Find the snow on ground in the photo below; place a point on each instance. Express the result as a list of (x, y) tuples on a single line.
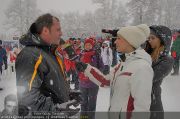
[(8, 83), (170, 93)]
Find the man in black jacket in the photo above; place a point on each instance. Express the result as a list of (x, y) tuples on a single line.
[(40, 76)]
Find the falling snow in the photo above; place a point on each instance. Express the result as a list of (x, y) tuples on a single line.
[(170, 95)]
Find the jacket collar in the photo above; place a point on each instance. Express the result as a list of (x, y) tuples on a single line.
[(138, 54)]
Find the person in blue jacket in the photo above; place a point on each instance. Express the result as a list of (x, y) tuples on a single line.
[(3, 59)]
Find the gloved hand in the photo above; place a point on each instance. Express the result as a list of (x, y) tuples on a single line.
[(23, 110), (80, 66), (70, 52), (75, 95), (65, 109)]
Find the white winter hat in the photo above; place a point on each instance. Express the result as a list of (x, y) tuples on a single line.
[(135, 35), (107, 42)]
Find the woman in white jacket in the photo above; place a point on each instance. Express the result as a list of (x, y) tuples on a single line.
[(130, 81)]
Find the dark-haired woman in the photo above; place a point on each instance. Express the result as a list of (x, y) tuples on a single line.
[(158, 46)]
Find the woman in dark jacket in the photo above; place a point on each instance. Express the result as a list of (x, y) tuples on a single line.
[(158, 46)]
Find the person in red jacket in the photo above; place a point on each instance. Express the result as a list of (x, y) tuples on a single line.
[(89, 89)]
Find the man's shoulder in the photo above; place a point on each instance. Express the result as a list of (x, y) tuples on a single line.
[(139, 65), (31, 49), (28, 52)]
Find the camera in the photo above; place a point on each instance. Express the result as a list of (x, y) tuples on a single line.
[(70, 52), (112, 32)]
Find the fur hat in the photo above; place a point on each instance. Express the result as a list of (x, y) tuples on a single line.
[(164, 34), (135, 35)]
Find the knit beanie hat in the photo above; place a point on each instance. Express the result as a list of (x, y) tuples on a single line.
[(107, 42), (89, 40), (135, 35)]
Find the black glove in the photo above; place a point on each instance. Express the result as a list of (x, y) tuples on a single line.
[(71, 53), (6, 66), (80, 66), (23, 110), (75, 95), (65, 109)]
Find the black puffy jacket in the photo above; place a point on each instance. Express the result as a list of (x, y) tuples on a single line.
[(162, 67), (40, 79)]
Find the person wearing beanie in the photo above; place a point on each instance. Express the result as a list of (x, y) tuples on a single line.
[(89, 89), (106, 54), (10, 106), (158, 46), (70, 55), (175, 52), (130, 81)]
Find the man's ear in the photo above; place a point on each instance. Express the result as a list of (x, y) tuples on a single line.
[(45, 30)]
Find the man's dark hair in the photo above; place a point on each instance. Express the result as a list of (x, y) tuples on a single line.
[(45, 20), (10, 97)]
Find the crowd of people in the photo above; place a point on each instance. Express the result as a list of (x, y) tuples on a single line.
[(47, 67)]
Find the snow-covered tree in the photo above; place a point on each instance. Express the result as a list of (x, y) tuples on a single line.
[(137, 10), (20, 14), (171, 13), (121, 16), (70, 23), (155, 12), (111, 14)]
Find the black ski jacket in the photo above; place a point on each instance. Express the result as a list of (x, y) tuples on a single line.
[(40, 76)]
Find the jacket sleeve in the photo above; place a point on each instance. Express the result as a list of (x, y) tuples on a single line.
[(162, 69), (99, 78), (141, 87), (31, 96)]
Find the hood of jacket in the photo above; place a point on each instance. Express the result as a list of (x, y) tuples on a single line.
[(31, 39)]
